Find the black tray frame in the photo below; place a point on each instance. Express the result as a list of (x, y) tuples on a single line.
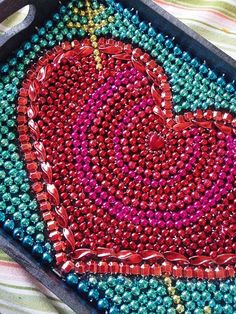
[(161, 20)]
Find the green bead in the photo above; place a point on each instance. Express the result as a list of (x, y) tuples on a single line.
[(218, 296), (134, 305), (92, 281), (109, 293), (143, 299), (135, 291), (14, 189), (24, 223), (30, 230), (151, 294), (34, 218), (143, 284), (117, 299), (10, 210), (2, 217), (40, 237), (167, 302), (127, 297), (161, 310), (17, 216), (190, 305), (161, 291), (124, 309), (185, 296), (102, 285), (143, 310), (111, 281), (15, 200), (119, 289)]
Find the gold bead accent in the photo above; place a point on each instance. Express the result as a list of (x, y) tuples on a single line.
[(99, 66), (96, 52), (93, 38), (111, 19), (180, 308), (75, 10), (207, 310), (168, 281), (176, 299), (171, 291), (70, 25), (94, 44)]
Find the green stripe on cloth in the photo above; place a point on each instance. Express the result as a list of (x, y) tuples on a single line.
[(225, 7)]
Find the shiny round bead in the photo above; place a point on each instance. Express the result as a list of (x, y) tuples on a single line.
[(72, 280)]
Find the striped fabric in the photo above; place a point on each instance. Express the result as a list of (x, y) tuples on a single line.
[(213, 19)]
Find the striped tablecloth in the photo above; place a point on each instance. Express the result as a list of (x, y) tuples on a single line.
[(213, 19)]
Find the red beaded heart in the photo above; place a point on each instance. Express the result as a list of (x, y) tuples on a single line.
[(121, 181)]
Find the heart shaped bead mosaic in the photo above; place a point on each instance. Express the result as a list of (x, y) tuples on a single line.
[(118, 163)]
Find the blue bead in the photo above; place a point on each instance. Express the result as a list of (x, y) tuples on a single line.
[(72, 280), (127, 13), (93, 294), (143, 26), (18, 234), (169, 43), (177, 51), (221, 81), (151, 32), (2, 217), (47, 258), (83, 287), (194, 63), (203, 68), (230, 88), (28, 241), (186, 56), (9, 225), (211, 75), (103, 304), (160, 37), (119, 7), (37, 250), (135, 19)]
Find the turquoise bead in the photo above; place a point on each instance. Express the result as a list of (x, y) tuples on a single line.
[(93, 294), (47, 258), (72, 280), (83, 287), (103, 304), (114, 310)]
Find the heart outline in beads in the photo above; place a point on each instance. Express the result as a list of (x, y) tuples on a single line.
[(69, 255)]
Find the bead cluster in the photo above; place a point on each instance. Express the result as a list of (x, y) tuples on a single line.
[(119, 294), (129, 153), (132, 169)]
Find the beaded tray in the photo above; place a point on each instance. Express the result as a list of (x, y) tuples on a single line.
[(118, 164)]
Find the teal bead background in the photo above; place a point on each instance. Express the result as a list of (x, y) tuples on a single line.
[(194, 86)]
